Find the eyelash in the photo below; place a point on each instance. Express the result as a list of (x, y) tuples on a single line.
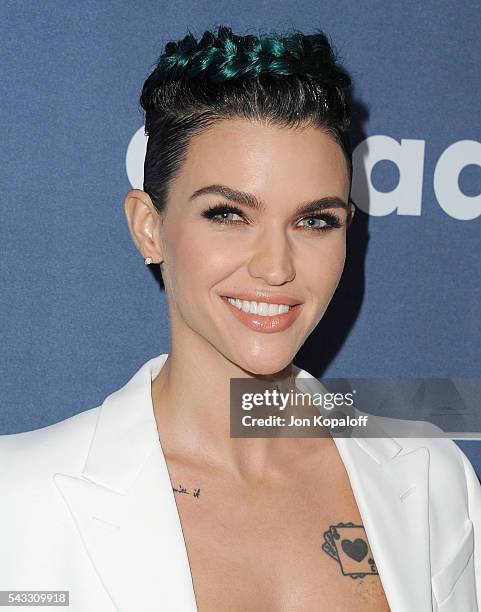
[(210, 213)]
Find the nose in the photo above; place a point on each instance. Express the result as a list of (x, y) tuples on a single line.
[(272, 260)]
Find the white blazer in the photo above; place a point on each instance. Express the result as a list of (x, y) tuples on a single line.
[(87, 506)]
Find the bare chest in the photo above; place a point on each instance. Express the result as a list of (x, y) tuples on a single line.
[(295, 545)]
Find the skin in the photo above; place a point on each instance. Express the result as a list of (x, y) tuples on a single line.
[(200, 260), (226, 488)]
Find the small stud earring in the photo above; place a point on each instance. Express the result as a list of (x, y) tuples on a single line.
[(147, 261)]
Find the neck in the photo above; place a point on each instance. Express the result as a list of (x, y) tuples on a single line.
[(191, 400)]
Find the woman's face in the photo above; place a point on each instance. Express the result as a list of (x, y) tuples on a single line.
[(271, 250)]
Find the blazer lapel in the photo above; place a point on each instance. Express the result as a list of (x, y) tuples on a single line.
[(124, 507), (126, 514), (392, 497), (391, 490)]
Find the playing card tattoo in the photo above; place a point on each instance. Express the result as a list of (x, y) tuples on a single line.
[(348, 545)]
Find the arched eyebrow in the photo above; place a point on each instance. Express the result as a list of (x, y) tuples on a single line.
[(250, 200)]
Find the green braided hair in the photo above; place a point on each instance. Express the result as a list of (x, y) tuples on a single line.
[(288, 80)]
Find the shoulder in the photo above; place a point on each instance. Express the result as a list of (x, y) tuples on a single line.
[(33, 455), (36, 528), (451, 475), (413, 434)]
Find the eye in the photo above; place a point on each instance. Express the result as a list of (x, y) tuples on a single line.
[(220, 213), (327, 221)]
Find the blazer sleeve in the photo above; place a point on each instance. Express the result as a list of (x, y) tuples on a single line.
[(474, 510)]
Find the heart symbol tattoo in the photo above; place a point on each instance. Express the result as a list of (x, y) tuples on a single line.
[(356, 549)]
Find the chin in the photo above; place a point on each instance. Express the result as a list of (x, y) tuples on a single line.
[(267, 363)]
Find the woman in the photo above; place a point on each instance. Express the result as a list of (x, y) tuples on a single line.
[(146, 502)]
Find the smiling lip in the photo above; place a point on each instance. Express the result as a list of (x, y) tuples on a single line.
[(264, 296), (266, 325)]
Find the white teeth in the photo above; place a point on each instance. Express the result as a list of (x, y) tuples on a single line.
[(263, 309), (260, 308), (273, 309)]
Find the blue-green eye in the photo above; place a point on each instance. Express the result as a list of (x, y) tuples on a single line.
[(317, 227), (327, 221), (221, 210)]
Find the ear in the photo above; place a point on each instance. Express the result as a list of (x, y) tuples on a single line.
[(143, 220), (350, 214)]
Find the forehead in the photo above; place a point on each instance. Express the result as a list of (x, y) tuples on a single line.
[(271, 161)]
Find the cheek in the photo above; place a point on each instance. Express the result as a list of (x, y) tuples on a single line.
[(324, 275), (197, 261)]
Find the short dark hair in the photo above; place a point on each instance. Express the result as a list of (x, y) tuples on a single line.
[(288, 80)]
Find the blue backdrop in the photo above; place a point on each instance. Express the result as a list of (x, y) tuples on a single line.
[(79, 310)]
